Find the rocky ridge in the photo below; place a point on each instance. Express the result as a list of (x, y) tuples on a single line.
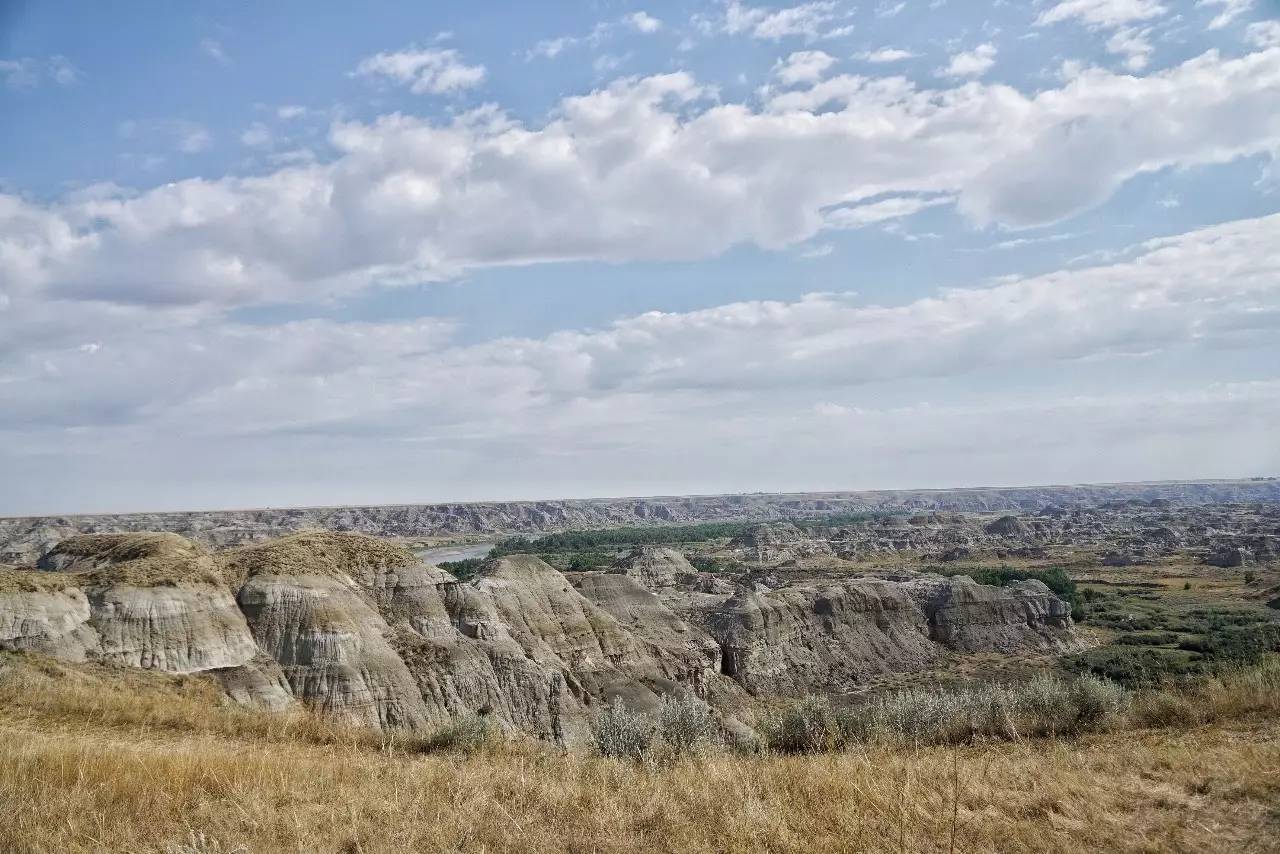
[(23, 539), (1121, 533), (361, 630)]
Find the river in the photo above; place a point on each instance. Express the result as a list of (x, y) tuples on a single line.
[(443, 554)]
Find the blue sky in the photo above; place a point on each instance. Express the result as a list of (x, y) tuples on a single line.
[(302, 253)]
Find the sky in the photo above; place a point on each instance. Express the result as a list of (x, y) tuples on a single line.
[(318, 254)]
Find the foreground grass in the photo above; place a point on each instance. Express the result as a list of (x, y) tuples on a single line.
[(93, 770)]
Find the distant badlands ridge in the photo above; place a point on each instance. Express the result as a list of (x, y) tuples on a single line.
[(23, 539)]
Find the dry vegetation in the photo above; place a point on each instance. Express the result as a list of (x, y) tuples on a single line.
[(317, 553), (105, 760)]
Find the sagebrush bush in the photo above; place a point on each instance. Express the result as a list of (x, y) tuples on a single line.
[(809, 726), (1044, 705), (466, 733), (620, 732), (1096, 701), (1162, 709), (685, 723)]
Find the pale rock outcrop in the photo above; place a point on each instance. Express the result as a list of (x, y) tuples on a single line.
[(332, 648), (655, 567), (777, 543), (153, 601), (362, 631), (680, 652), (49, 621), (800, 640), (259, 684), (969, 617), (179, 629)]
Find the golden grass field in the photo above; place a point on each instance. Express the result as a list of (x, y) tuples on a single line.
[(99, 760)]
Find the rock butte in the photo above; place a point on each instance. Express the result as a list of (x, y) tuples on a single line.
[(360, 629), (25, 539)]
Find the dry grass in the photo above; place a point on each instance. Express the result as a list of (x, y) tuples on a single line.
[(1199, 791), (144, 767), (317, 553), (146, 558)]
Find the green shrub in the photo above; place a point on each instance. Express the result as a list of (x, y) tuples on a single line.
[(1162, 709), (1135, 665), (621, 733), (463, 570), (466, 733), (1148, 639), (685, 723), (809, 726), (1044, 705)]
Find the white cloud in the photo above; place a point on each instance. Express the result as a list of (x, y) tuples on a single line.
[(1102, 13), (1217, 286), (643, 22), (971, 63), (882, 211), (886, 55), (820, 250), (193, 138), (607, 63), (811, 370), (428, 71), (257, 135), (805, 66), (807, 20), (213, 49), (888, 9), (1231, 9), (1264, 34), (1133, 44), (29, 72), (643, 169), (288, 112), (551, 48)]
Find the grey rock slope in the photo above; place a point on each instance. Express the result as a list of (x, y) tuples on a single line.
[(360, 630), (23, 539)]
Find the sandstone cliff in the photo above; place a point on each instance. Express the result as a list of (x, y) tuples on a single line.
[(359, 629)]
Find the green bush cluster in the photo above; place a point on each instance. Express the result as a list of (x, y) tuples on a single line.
[(1045, 705), (619, 538), (682, 725), (463, 570), (466, 733)]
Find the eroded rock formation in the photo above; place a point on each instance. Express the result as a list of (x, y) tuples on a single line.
[(361, 630), (24, 539)]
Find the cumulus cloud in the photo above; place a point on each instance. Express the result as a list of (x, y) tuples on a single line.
[(807, 20), (972, 63), (1133, 44), (643, 169), (257, 135), (29, 72), (1101, 13), (886, 55), (1218, 286), (1264, 34), (430, 71), (807, 370), (642, 22), (1231, 9), (805, 66)]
